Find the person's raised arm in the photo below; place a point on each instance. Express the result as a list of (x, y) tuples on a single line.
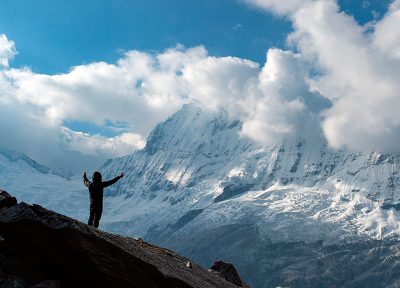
[(112, 181), (85, 180)]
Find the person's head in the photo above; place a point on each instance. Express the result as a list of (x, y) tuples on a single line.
[(96, 176)]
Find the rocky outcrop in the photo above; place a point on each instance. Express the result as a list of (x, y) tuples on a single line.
[(6, 200), (228, 272), (41, 248)]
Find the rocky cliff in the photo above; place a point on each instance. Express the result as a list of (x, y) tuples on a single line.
[(40, 248)]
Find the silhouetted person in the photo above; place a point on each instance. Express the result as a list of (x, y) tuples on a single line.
[(96, 187)]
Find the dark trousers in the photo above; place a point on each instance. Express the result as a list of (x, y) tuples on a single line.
[(95, 214)]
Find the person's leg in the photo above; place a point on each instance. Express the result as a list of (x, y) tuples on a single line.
[(91, 215), (97, 216)]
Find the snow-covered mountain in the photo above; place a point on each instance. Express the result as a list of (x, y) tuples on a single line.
[(33, 182), (197, 174), (18, 157), (298, 215)]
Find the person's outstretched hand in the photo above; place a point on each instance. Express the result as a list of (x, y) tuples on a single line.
[(122, 174)]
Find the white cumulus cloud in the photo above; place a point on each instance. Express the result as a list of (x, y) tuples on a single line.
[(274, 102), (140, 90), (7, 50), (98, 145), (358, 68), (282, 106)]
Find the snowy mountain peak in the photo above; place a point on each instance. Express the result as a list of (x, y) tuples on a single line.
[(190, 127), (15, 156), (198, 168)]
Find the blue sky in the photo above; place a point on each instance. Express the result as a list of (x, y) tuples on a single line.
[(51, 36), (88, 80)]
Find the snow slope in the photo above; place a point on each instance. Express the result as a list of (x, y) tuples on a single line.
[(32, 182), (196, 173)]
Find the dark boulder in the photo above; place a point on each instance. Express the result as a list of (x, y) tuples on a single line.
[(6, 200), (228, 272)]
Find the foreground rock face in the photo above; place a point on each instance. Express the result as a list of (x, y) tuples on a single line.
[(40, 248)]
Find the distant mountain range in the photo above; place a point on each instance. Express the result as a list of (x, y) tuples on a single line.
[(33, 182), (15, 156)]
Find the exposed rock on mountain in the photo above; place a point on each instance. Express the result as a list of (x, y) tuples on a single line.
[(6, 200), (41, 248)]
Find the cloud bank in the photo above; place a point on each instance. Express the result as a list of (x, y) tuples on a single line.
[(338, 80), (358, 67), (143, 89)]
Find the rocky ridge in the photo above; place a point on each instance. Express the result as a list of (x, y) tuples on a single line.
[(40, 248)]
